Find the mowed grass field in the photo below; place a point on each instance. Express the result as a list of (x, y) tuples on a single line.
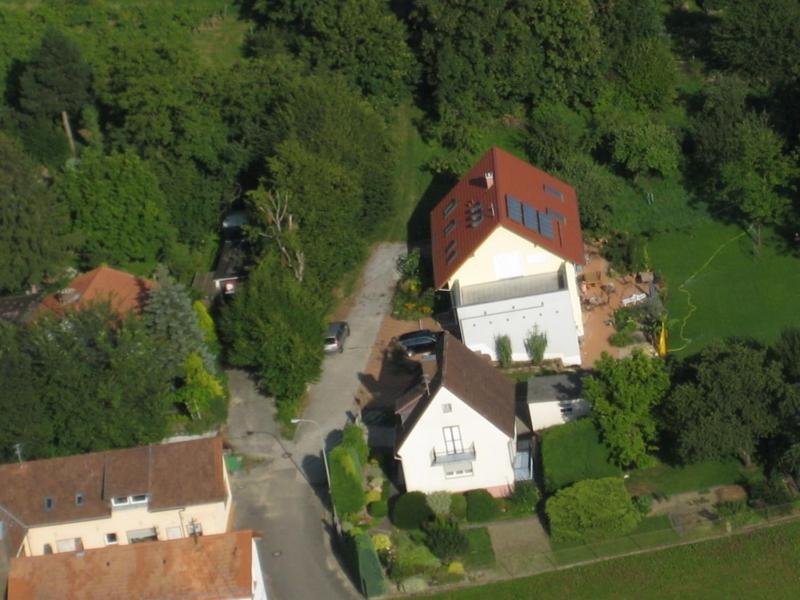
[(736, 293), (761, 564)]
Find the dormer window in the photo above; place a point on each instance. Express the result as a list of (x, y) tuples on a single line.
[(450, 206), (48, 503), (133, 500), (139, 499), (119, 501), (79, 499)]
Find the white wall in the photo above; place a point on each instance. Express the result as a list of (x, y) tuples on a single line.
[(493, 464), (548, 414), (502, 255), (259, 589), (572, 285), (212, 517), (553, 313)]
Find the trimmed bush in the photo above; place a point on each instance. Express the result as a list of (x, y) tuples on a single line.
[(410, 559), (378, 509), (411, 510), (439, 503), (353, 437), (592, 510), (347, 488), (525, 496), (536, 344), (481, 506), (369, 567), (445, 539), (503, 349), (458, 506)]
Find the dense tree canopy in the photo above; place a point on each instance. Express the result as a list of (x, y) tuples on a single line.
[(623, 394), (726, 403), (33, 223)]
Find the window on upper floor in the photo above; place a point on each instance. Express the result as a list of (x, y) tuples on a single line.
[(450, 206), (447, 408), (79, 499), (452, 439), (111, 539)]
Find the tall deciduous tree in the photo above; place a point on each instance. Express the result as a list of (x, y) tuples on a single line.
[(756, 178), (644, 146), (727, 403), (118, 208), (623, 394), (275, 326), (34, 225)]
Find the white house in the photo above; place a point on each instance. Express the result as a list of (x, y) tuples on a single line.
[(457, 429), (555, 400), (212, 567), (506, 241)]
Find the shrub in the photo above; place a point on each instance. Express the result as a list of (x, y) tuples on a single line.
[(411, 510), (353, 437), (643, 504), (536, 344), (591, 510), (624, 336), (525, 496), (771, 491), (439, 503), (730, 509), (386, 490), (456, 568), (411, 559), (458, 506), (382, 542), (481, 506), (347, 488), (369, 566), (445, 539), (378, 509), (373, 495), (503, 349)]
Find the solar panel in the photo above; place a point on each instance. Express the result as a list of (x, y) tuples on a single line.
[(546, 226), (553, 192), (514, 207), (531, 218), (554, 214)]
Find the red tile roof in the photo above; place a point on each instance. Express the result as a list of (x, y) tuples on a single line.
[(208, 567), (124, 291), (457, 234), (176, 474)]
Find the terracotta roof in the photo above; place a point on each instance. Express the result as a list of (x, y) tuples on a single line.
[(479, 209), (125, 292), (207, 567), (473, 380), (176, 474)]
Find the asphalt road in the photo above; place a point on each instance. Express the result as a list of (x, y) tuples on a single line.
[(283, 494)]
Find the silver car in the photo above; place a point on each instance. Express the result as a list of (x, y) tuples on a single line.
[(336, 335)]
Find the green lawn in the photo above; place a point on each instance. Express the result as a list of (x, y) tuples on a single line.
[(761, 564), (665, 480), (573, 452), (480, 554), (735, 292)]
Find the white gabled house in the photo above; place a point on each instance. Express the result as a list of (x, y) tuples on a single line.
[(506, 242), (457, 429)]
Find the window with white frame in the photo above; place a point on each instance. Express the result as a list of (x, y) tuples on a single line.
[(452, 439), (111, 539), (134, 500), (458, 470), (194, 528)]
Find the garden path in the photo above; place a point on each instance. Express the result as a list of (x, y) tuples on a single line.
[(520, 547)]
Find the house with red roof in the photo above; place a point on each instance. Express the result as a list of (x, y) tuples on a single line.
[(506, 242), (123, 291)]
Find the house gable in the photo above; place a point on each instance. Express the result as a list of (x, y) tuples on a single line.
[(501, 189), (502, 255)]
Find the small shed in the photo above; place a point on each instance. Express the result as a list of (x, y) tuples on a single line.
[(556, 399)]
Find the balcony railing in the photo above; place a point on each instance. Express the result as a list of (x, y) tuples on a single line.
[(443, 457)]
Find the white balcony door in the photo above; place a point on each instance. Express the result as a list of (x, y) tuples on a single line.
[(452, 440)]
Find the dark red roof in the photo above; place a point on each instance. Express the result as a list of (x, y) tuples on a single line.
[(479, 209)]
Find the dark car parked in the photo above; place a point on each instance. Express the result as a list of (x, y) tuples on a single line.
[(336, 335), (422, 341)]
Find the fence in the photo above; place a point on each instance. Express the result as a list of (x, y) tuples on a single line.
[(520, 560)]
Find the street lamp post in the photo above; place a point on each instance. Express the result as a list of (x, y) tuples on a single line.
[(324, 462)]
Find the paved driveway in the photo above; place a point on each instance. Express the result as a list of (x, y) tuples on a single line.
[(283, 494)]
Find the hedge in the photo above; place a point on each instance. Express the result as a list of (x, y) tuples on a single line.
[(368, 566), (458, 506), (347, 488)]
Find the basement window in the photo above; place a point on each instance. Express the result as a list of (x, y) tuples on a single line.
[(111, 539)]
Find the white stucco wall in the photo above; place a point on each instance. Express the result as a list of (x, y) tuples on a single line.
[(553, 313), (212, 517), (493, 464), (259, 588), (548, 414), (502, 255)]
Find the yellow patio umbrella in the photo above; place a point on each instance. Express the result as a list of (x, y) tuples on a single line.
[(662, 340)]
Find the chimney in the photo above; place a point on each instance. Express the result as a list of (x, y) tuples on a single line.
[(489, 177)]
